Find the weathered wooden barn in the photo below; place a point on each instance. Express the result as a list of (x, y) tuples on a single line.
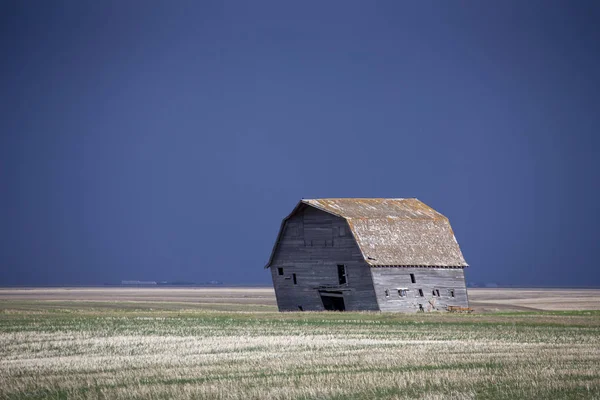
[(367, 254)]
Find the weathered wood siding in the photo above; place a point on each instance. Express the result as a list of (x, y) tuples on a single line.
[(313, 243), (428, 280)]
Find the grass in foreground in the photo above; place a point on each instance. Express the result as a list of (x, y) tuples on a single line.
[(113, 351)]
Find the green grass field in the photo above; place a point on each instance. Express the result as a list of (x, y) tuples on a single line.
[(117, 349)]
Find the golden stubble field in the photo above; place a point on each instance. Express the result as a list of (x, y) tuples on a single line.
[(229, 343)]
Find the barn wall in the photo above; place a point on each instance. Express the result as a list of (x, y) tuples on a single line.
[(313, 243), (427, 279)]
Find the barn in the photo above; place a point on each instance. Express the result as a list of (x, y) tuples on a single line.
[(367, 254)]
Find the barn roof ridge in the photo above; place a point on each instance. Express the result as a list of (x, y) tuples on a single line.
[(373, 208)]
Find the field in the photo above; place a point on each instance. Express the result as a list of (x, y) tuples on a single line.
[(230, 343)]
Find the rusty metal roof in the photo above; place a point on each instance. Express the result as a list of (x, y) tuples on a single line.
[(397, 231), (393, 232)]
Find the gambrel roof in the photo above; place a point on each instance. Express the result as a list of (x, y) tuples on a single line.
[(393, 232)]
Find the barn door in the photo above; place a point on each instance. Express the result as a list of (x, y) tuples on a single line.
[(333, 301)]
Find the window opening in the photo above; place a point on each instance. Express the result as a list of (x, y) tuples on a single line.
[(280, 271), (435, 292), (420, 292), (342, 277), (451, 292), (387, 293), (421, 308), (402, 292), (294, 278), (300, 308), (412, 278)]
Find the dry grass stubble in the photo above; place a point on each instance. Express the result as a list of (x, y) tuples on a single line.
[(82, 352)]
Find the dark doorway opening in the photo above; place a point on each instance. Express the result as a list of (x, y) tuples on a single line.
[(333, 301)]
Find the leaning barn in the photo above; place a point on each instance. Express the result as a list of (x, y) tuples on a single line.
[(367, 254)]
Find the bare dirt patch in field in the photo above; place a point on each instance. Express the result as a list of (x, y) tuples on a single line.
[(187, 296), (488, 300)]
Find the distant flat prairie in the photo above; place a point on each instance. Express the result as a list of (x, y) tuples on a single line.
[(263, 298), (534, 299)]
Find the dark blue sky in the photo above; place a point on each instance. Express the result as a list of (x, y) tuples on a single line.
[(166, 140)]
